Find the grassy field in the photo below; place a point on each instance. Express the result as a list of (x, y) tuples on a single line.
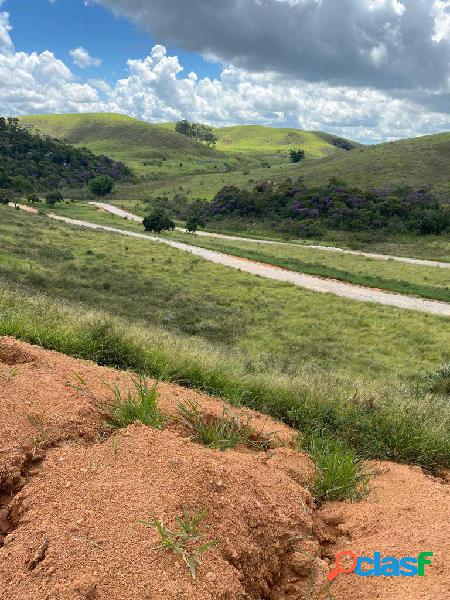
[(422, 281), (314, 360), (276, 323)]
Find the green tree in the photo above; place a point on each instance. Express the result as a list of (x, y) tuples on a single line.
[(158, 220), (193, 223), (297, 156), (6, 196), (101, 185), (53, 197), (184, 128)]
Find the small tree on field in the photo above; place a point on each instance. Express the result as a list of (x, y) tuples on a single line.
[(53, 197), (101, 185), (6, 196), (193, 223), (297, 155), (158, 220)]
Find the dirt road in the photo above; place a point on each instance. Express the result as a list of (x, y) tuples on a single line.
[(413, 261), (308, 282)]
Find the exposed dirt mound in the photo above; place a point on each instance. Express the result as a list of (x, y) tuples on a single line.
[(72, 530), (406, 512), (72, 493)]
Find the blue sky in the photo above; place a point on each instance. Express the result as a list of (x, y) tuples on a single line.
[(61, 25), (370, 70)]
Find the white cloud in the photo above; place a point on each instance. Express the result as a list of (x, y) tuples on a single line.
[(157, 90), (441, 10), (6, 44), (83, 59)]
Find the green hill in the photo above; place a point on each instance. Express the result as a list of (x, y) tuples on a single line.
[(412, 162), (156, 150), (146, 148), (258, 139)]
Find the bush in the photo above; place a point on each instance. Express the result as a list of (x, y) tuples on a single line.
[(158, 220), (53, 197), (101, 185), (6, 196), (297, 156)]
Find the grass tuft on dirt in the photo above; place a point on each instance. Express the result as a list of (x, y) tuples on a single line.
[(341, 474), (224, 433)]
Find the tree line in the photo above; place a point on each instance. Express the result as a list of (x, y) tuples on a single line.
[(31, 163), (300, 210)]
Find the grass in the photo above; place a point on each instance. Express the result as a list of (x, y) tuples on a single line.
[(224, 433), (416, 280), (348, 368), (139, 404), (341, 474), (378, 421), (185, 541)]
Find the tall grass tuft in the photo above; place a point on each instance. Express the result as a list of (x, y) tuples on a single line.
[(223, 433), (340, 473), (139, 405)]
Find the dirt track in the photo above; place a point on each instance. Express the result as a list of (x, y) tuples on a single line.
[(386, 257), (310, 282), (72, 492)]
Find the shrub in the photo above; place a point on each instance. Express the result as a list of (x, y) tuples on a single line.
[(158, 220), (53, 197), (101, 185), (297, 156)]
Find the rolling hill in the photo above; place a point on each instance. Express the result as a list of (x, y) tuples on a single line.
[(413, 162), (145, 147), (157, 150), (259, 139)]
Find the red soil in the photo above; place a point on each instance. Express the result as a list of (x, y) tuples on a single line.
[(72, 493)]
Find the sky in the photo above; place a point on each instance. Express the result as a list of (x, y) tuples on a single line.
[(369, 70)]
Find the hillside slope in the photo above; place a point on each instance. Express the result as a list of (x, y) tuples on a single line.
[(413, 162), (260, 139), (143, 146)]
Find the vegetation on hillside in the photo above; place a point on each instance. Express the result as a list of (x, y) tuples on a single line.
[(197, 131), (30, 162)]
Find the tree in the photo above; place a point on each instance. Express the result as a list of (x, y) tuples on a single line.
[(297, 155), (33, 198), (194, 222), (101, 185), (6, 196), (197, 131), (184, 128), (53, 197), (158, 220)]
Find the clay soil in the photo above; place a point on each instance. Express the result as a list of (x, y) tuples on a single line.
[(72, 493)]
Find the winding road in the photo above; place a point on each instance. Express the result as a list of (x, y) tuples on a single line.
[(309, 282), (413, 261)]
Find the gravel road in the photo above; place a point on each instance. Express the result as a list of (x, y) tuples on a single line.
[(413, 261), (308, 282)]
